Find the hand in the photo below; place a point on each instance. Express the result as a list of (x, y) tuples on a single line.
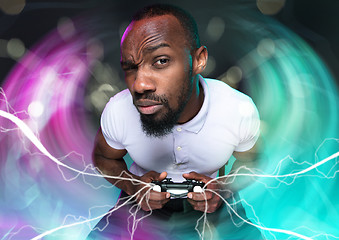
[(208, 199), (149, 199)]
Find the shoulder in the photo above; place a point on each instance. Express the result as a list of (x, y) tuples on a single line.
[(120, 99), (119, 106), (120, 103), (230, 104), (118, 114)]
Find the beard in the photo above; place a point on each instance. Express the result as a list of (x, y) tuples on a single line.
[(160, 126)]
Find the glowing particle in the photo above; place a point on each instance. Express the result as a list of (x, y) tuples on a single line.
[(15, 48), (66, 28), (233, 75), (12, 7), (95, 49), (103, 73), (270, 7), (106, 87), (98, 99), (3, 48), (215, 28), (35, 109), (266, 47)]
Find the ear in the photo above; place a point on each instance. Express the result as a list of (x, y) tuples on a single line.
[(199, 60)]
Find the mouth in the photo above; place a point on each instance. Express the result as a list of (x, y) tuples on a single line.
[(148, 107)]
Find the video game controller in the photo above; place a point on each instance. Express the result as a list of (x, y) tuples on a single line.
[(178, 190)]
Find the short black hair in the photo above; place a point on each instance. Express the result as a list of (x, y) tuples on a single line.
[(186, 20)]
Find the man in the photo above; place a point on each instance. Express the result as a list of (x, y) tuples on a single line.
[(173, 123)]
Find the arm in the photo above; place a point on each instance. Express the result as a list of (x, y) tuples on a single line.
[(246, 162), (110, 162), (248, 159)]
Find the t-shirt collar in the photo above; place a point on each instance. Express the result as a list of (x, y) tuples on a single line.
[(196, 124)]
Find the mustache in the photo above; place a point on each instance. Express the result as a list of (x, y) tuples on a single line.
[(151, 96)]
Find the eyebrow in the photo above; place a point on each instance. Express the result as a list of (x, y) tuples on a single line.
[(155, 47), (131, 64), (128, 64)]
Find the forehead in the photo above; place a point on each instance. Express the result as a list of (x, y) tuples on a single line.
[(154, 30)]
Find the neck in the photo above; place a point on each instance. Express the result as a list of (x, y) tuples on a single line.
[(194, 104)]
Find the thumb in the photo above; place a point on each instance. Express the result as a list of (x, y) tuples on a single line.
[(162, 176), (193, 175)]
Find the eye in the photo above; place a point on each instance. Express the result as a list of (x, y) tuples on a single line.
[(160, 63)]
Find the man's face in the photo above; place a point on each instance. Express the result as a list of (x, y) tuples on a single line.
[(158, 71)]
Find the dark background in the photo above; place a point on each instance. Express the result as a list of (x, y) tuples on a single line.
[(313, 20)]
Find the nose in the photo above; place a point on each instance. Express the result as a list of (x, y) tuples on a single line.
[(143, 81)]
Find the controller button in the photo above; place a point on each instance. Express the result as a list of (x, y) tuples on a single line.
[(197, 189)]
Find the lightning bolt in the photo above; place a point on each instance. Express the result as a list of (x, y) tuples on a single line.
[(30, 135)]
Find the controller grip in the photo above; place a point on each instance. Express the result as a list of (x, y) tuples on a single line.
[(156, 188)]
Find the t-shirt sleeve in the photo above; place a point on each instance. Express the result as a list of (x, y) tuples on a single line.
[(110, 125), (249, 128)]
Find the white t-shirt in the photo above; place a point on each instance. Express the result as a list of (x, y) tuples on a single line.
[(228, 121)]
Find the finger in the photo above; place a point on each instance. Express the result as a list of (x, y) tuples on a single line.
[(204, 206), (162, 176), (147, 203), (152, 175), (204, 196), (198, 206), (192, 175), (151, 205), (158, 196), (160, 203), (196, 176), (213, 186), (211, 202)]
